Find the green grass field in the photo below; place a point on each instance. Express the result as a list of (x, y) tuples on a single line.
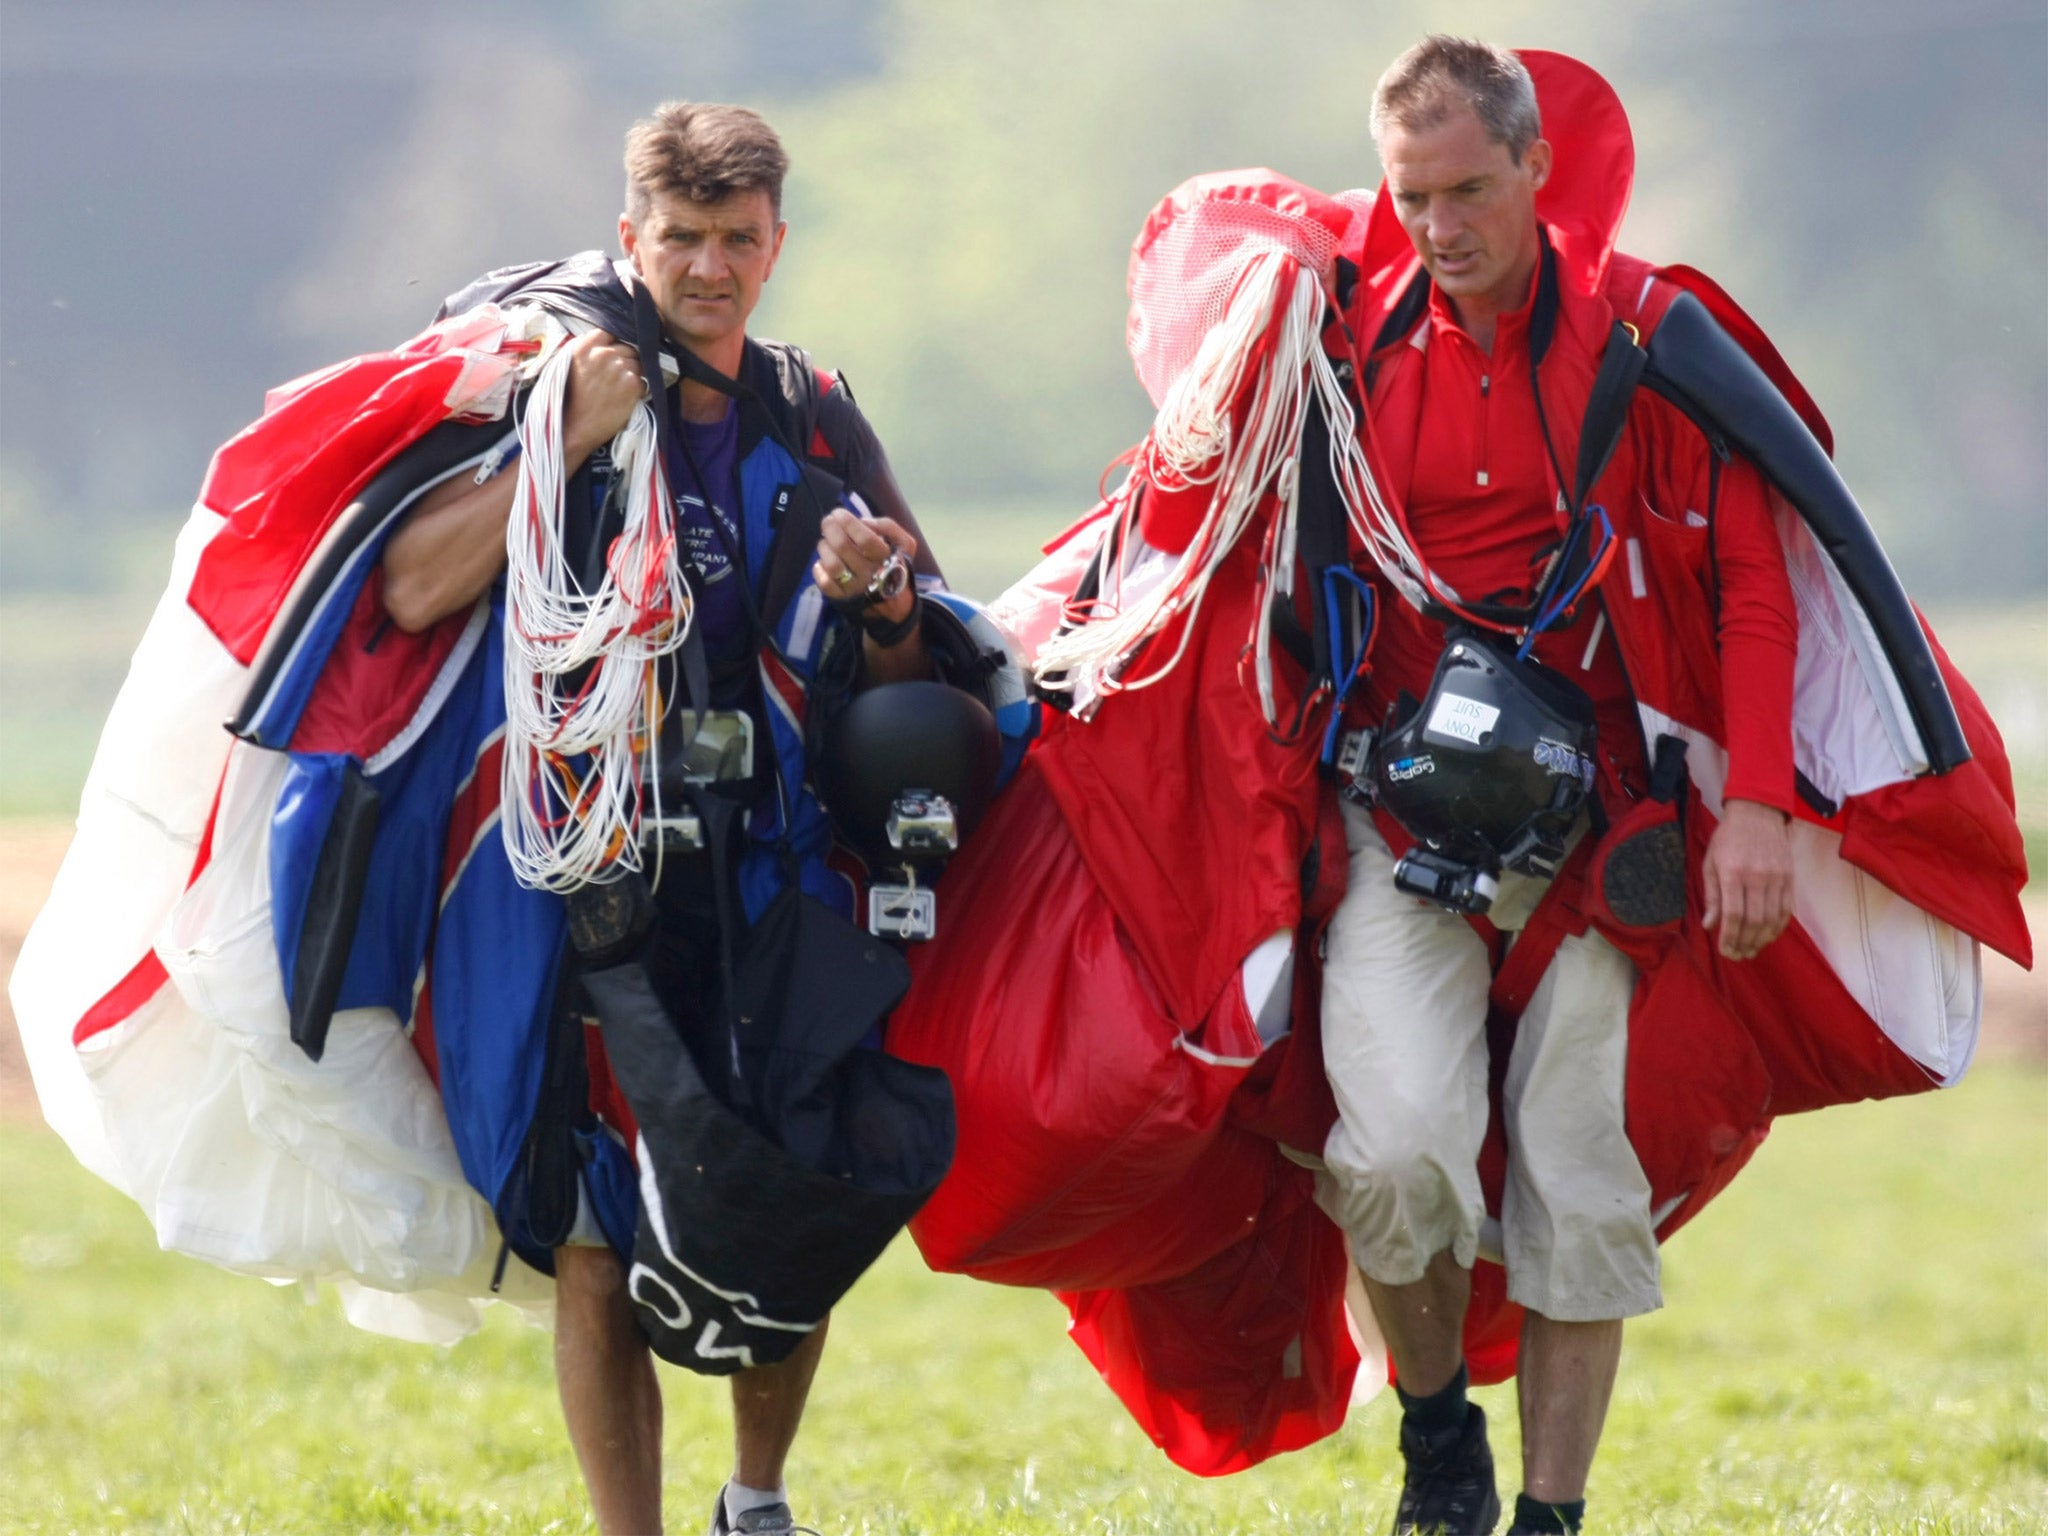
[(1856, 1341)]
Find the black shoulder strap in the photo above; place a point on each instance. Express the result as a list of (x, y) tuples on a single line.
[(798, 524), (1621, 369), (647, 335), (1322, 533)]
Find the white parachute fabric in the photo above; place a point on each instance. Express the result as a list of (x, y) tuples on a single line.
[(1196, 441), (140, 819), (1851, 729), (193, 1100), (282, 1166)]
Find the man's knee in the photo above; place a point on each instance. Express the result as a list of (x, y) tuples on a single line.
[(588, 1278), (1581, 1252), (1400, 1202)]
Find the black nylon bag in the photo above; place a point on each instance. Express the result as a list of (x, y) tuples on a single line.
[(756, 1217)]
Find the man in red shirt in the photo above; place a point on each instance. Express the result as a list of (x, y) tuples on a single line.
[(1458, 411)]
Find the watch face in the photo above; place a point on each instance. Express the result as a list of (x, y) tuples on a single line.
[(890, 578)]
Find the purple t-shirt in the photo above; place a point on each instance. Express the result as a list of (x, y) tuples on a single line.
[(707, 531)]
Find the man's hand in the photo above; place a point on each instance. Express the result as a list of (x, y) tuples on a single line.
[(852, 549), (1748, 877), (604, 388)]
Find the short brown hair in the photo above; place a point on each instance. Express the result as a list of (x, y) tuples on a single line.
[(1422, 87), (704, 150)]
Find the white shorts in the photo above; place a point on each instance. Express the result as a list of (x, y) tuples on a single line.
[(585, 1232), (1404, 1042)]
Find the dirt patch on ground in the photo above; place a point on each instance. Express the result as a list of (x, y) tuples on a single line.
[(30, 852), (2015, 1002)]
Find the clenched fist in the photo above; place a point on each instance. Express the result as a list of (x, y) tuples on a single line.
[(604, 387)]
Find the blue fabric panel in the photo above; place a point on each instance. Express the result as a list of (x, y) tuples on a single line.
[(298, 830), (613, 1183), (403, 889), (493, 989), (762, 472), (495, 949)]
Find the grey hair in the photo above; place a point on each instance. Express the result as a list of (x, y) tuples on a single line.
[(1423, 86)]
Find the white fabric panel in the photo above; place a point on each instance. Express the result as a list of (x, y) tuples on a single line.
[(1920, 979), (1267, 977), (1851, 730), (285, 1166)]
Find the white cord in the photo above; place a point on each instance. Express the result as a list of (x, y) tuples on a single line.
[(1370, 519), (1193, 432), (1192, 443), (574, 755)]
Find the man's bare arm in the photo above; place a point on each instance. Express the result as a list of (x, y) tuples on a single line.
[(452, 545)]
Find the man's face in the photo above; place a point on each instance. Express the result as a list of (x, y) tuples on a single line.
[(704, 263), (1467, 206)]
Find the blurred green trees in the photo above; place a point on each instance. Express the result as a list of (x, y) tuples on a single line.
[(200, 205)]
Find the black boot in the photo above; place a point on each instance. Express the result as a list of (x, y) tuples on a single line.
[(1449, 1490)]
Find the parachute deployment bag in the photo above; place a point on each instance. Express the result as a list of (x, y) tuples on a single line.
[(757, 1217)]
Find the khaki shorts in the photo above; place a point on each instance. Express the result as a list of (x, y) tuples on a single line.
[(1404, 1041)]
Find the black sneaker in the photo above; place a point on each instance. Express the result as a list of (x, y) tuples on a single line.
[(1449, 1489), (768, 1520)]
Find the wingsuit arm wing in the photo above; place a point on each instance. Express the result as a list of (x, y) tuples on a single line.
[(1696, 365)]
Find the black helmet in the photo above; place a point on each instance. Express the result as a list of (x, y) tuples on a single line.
[(902, 738), (1491, 769)]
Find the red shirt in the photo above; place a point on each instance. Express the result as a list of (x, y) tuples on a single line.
[(1481, 509)]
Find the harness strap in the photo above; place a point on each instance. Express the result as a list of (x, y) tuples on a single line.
[(1323, 537), (1621, 369), (647, 328)]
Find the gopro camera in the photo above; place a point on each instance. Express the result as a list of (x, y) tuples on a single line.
[(923, 824), (1455, 886)]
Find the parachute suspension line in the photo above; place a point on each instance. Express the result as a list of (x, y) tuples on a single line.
[(1379, 528), (1197, 441), (582, 701)]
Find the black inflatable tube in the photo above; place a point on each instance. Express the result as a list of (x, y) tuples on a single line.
[(1700, 369)]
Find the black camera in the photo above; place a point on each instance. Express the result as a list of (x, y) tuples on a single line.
[(1448, 882)]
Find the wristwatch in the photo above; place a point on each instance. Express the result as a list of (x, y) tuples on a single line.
[(891, 579)]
